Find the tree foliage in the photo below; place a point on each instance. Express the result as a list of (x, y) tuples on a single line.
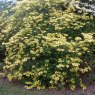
[(48, 44), (5, 12)]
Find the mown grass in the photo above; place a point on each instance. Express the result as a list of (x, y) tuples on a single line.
[(9, 88)]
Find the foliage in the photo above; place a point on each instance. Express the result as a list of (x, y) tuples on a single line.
[(48, 44), (5, 12)]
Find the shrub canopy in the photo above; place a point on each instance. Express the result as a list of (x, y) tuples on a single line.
[(48, 44)]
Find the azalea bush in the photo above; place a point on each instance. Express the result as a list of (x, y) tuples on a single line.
[(48, 44)]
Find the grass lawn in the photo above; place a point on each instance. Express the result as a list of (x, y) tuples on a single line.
[(9, 88)]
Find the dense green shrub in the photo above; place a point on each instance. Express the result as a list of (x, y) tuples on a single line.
[(5, 12), (2, 49), (48, 44)]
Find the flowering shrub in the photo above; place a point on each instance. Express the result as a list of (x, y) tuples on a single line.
[(48, 45)]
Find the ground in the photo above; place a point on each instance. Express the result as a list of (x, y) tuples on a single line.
[(12, 88)]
